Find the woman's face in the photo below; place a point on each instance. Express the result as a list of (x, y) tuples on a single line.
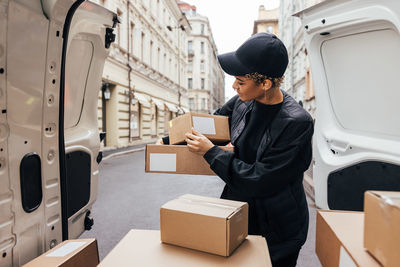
[(247, 89)]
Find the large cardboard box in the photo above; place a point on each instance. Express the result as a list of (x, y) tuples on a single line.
[(176, 159), (208, 224), (70, 253), (339, 240), (143, 248), (215, 128), (382, 226)]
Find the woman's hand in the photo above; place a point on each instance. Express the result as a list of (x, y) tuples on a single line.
[(160, 142), (197, 142)]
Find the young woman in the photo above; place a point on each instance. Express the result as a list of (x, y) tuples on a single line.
[(271, 134)]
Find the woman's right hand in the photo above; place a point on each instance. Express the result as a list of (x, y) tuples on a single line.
[(160, 142)]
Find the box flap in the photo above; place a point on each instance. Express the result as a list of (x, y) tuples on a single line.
[(215, 207)]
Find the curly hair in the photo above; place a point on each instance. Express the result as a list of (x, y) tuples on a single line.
[(259, 78)]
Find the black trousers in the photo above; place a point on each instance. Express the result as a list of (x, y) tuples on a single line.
[(288, 261)]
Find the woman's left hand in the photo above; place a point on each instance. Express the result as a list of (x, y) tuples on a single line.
[(197, 142)]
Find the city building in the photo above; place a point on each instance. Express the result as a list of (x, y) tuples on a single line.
[(144, 79), (298, 77), (205, 78), (267, 21)]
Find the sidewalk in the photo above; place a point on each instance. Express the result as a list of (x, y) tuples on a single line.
[(111, 152)]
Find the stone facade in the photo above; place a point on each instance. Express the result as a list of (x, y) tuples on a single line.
[(205, 78), (141, 73), (298, 80), (267, 21)]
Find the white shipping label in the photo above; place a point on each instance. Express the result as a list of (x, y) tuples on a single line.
[(345, 260), (162, 162), (204, 125), (66, 249)]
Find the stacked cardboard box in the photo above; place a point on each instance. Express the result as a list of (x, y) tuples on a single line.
[(195, 231), (382, 226), (143, 248), (176, 157), (369, 238), (70, 253), (215, 128), (208, 224)]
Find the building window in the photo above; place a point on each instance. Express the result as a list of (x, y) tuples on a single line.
[(310, 94), (158, 58), (154, 120), (165, 64), (190, 65), (170, 68), (135, 121), (142, 47), (190, 83), (202, 47), (203, 103), (151, 54), (202, 83), (158, 9), (176, 72), (270, 29), (202, 66), (191, 103), (202, 29), (131, 35), (190, 47), (168, 115), (118, 39)]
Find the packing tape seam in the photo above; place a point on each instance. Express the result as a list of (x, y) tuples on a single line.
[(210, 203)]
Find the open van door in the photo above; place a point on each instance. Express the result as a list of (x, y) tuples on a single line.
[(52, 54), (354, 50)]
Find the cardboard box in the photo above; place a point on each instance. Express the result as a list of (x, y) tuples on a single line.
[(143, 248), (215, 128), (207, 224), (382, 226), (176, 159), (339, 240), (70, 253)]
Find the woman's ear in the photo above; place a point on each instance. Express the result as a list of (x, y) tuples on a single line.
[(267, 84)]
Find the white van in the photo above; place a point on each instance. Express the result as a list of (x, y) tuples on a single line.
[(52, 54), (354, 51)]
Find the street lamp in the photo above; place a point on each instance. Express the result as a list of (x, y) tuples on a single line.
[(170, 28), (105, 87)]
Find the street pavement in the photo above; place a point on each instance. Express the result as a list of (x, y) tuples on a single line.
[(128, 198)]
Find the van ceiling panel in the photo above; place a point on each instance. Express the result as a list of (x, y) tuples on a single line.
[(357, 67)]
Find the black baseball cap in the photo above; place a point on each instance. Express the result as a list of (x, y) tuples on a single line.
[(263, 53)]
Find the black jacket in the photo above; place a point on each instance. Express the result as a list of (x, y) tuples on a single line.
[(273, 184)]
